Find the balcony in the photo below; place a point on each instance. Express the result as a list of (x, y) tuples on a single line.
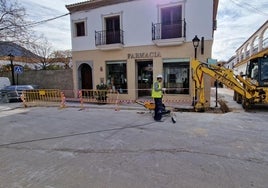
[(169, 34), (109, 40)]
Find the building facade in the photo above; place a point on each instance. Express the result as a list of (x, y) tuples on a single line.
[(127, 43), (256, 43)]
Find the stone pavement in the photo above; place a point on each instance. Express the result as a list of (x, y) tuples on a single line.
[(9, 106)]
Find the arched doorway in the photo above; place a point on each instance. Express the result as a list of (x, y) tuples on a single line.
[(86, 76)]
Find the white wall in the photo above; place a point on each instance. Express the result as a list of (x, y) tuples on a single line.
[(199, 19), (137, 19)]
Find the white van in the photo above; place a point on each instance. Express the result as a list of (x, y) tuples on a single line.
[(4, 81)]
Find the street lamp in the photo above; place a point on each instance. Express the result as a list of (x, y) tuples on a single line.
[(11, 58), (196, 41)]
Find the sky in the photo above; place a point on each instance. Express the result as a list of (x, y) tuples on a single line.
[(237, 20)]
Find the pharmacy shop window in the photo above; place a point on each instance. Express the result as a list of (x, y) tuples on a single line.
[(116, 73), (176, 77)]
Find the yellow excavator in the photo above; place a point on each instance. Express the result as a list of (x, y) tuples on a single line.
[(249, 89)]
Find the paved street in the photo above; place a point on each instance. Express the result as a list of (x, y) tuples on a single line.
[(103, 148)]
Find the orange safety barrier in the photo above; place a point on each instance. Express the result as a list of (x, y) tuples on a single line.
[(80, 95), (43, 97), (98, 97), (116, 98), (56, 97), (63, 100)]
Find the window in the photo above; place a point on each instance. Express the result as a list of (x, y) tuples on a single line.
[(80, 29), (171, 22), (264, 70), (112, 29), (116, 73), (176, 76), (255, 72)]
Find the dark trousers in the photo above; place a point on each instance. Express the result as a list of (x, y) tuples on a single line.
[(158, 109)]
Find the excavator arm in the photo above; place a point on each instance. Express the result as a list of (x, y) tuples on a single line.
[(225, 76)]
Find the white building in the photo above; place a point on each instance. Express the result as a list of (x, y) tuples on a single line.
[(255, 44), (126, 43)]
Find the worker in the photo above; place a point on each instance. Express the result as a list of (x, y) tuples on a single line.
[(157, 95)]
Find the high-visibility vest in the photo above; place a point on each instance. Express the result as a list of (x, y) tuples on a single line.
[(157, 94)]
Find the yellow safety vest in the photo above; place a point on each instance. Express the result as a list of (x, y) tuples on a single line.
[(157, 92)]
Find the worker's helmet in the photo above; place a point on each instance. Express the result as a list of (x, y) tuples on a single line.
[(159, 76)]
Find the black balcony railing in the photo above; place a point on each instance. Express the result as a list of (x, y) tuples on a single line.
[(109, 37), (168, 31)]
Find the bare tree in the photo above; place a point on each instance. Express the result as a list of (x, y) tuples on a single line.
[(15, 29), (63, 57), (13, 26), (43, 51)]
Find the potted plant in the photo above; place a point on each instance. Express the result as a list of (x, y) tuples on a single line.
[(101, 93)]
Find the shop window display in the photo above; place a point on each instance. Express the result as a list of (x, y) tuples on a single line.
[(176, 77), (117, 76)]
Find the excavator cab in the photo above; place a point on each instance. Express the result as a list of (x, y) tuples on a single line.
[(257, 71)]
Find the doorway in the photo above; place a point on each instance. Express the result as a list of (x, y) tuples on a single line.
[(86, 76), (145, 77)]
